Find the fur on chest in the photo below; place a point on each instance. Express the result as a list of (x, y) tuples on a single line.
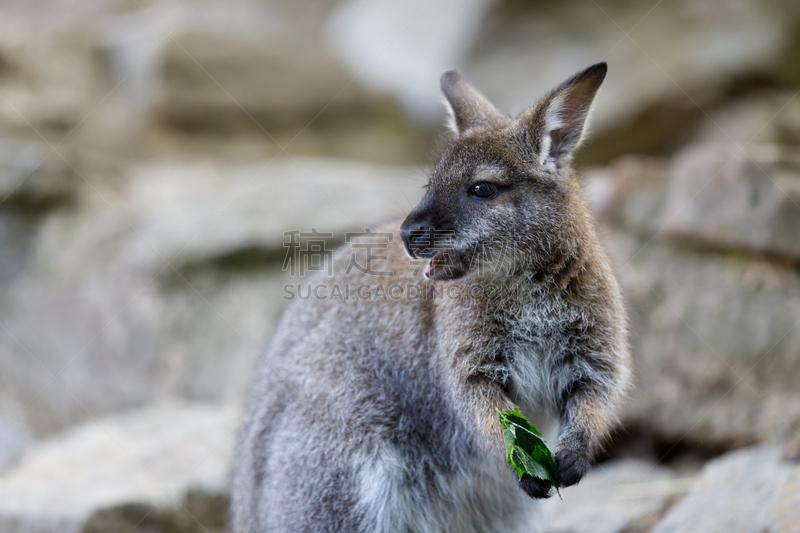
[(534, 352)]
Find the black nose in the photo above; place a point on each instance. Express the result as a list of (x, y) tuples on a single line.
[(410, 235), (416, 237)]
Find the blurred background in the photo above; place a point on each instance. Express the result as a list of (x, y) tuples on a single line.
[(154, 152)]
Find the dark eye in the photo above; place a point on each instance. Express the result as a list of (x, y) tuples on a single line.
[(484, 189)]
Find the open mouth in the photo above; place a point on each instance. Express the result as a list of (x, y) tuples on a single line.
[(433, 262), (440, 266)]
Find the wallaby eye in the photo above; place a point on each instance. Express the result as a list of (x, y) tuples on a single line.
[(483, 189)]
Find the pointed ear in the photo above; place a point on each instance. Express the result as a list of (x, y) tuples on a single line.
[(556, 125), (468, 108)]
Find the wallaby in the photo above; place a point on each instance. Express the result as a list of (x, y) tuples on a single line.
[(379, 414)]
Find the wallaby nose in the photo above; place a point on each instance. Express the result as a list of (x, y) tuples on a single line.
[(415, 236), (410, 235)]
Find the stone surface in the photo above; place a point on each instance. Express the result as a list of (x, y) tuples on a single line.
[(14, 440), (630, 193), (705, 249), (622, 496), (665, 60), (741, 492), (713, 195), (516, 51), (213, 79), (31, 173), (261, 70), (403, 47), (725, 197), (190, 212), (168, 282), (107, 474), (714, 340), (122, 77), (769, 117)]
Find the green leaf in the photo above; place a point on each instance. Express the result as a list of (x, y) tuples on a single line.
[(526, 450)]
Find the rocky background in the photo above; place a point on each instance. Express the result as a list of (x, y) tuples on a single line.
[(154, 152)]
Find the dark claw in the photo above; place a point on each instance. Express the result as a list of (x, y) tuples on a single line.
[(571, 467), (535, 487)]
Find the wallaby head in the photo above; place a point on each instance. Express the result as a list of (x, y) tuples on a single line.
[(503, 200)]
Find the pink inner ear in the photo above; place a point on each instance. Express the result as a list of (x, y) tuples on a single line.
[(569, 108)]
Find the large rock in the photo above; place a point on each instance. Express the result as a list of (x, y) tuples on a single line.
[(630, 193), (403, 47), (189, 212), (742, 492), (291, 93), (259, 70), (765, 117), (516, 51), (50, 83), (621, 496), (109, 76), (32, 173), (168, 282), (14, 440), (213, 79), (705, 251), (714, 342), (164, 468), (668, 63), (725, 197), (717, 196)]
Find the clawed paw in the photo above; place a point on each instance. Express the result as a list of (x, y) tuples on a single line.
[(535, 487), (572, 467)]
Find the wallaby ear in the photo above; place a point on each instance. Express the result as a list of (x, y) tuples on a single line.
[(468, 108), (556, 125)]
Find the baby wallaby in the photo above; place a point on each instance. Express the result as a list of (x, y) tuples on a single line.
[(377, 412)]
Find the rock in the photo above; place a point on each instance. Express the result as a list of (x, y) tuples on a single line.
[(264, 70), (626, 495), (744, 491), (792, 451), (766, 117), (18, 227), (123, 326), (404, 47), (717, 196), (517, 51), (198, 211), (50, 82), (658, 89), (14, 440), (169, 460), (229, 82), (219, 81), (726, 198), (119, 78), (706, 253), (714, 341), (630, 193), (32, 173)]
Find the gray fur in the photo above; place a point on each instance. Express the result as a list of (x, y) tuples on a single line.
[(379, 415)]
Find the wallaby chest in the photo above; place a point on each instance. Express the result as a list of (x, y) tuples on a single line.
[(538, 331)]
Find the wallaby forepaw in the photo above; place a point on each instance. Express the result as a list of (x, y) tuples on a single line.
[(572, 467), (535, 487)]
